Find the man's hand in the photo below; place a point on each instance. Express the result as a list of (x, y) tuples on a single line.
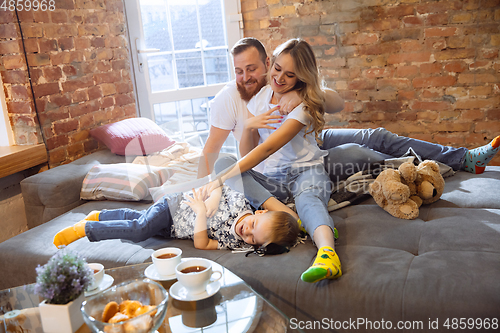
[(289, 101), (196, 202), (262, 120)]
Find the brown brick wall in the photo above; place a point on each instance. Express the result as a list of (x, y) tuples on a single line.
[(420, 68), (78, 59)]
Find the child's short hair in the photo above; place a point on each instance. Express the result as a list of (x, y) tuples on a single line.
[(285, 228)]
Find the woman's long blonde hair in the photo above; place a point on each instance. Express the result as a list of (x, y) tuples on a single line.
[(309, 84)]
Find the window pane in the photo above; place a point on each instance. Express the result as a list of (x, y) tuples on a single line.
[(189, 69), (155, 25), (212, 22), (184, 119), (161, 74), (216, 67), (181, 30), (188, 121), (166, 117), (184, 25)]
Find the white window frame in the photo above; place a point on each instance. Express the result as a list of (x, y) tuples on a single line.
[(145, 98)]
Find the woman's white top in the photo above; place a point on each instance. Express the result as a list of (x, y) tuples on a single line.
[(300, 151)]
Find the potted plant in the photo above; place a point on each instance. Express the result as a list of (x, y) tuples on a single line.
[(61, 283)]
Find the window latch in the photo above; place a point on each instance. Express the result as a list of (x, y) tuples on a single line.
[(237, 18)]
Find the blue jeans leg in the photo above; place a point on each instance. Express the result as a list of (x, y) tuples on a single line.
[(394, 145), (256, 187), (311, 189), (114, 224), (120, 214)]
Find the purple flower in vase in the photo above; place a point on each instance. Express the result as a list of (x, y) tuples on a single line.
[(65, 276)]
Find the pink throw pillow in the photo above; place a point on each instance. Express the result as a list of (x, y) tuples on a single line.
[(134, 136)]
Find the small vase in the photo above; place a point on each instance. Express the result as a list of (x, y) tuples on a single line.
[(62, 318)]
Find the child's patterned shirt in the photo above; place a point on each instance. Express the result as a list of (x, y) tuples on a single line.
[(232, 206)]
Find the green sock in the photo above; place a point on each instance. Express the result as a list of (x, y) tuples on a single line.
[(477, 159), (325, 266)]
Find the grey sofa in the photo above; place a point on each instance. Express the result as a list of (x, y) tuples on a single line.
[(443, 265)]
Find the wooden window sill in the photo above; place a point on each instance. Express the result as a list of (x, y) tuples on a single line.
[(18, 158)]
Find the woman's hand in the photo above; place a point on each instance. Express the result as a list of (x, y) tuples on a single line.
[(289, 101), (213, 185), (196, 202), (262, 120), (212, 202)]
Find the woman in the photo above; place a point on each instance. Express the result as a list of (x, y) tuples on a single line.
[(289, 151)]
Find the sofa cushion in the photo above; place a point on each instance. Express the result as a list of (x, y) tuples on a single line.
[(122, 181), (54, 192), (444, 264), (134, 136)]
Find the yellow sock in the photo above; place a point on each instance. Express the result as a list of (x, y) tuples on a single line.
[(301, 228), (93, 216), (70, 234), (326, 266)]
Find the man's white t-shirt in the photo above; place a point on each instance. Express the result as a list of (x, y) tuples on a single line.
[(228, 110), (300, 151)]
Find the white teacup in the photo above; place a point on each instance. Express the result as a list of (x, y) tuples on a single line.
[(98, 275), (195, 274), (166, 259)]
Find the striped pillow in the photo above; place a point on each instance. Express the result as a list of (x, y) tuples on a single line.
[(123, 181)]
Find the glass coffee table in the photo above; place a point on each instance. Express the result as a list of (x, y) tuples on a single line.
[(234, 308)]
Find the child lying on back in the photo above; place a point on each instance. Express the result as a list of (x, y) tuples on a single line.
[(222, 220)]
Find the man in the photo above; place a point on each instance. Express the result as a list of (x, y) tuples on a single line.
[(229, 107)]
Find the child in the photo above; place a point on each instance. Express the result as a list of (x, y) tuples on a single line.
[(223, 221)]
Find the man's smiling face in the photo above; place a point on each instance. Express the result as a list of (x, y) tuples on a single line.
[(250, 73)]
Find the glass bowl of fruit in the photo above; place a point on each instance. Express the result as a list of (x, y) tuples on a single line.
[(137, 306)]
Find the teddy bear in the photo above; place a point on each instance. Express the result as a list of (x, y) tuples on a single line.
[(401, 192)]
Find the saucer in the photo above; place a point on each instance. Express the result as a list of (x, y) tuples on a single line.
[(153, 274), (180, 293), (107, 281)]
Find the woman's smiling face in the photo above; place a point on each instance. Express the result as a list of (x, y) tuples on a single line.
[(283, 78)]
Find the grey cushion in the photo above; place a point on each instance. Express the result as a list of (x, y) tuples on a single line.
[(444, 264)]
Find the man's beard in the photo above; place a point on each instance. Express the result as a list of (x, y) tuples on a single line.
[(247, 95)]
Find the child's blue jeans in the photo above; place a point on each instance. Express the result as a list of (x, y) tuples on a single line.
[(134, 225)]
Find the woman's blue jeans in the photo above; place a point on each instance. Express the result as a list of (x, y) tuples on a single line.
[(310, 188)]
